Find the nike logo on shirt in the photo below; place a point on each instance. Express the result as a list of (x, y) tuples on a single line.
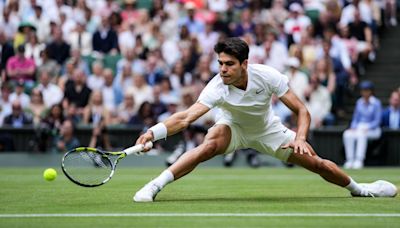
[(259, 91)]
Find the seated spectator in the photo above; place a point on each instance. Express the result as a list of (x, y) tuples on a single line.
[(95, 111), (5, 103), (391, 114), (126, 109), (105, 39), (80, 39), (37, 108), (112, 95), (58, 49), (318, 102), (66, 140), (96, 80), (7, 51), (33, 49), (20, 95), (50, 65), (18, 118), (298, 81), (141, 90), (76, 91), (144, 117), (52, 94), (20, 68), (297, 23), (365, 125)]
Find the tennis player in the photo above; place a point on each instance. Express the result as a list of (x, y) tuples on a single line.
[(243, 93)]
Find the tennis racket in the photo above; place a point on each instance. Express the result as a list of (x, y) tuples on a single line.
[(91, 167)]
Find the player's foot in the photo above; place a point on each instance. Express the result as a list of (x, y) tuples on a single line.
[(378, 188), (147, 193)]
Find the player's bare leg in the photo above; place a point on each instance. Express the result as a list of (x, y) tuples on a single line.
[(333, 174), (216, 142)]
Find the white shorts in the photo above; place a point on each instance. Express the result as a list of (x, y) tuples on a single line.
[(266, 142)]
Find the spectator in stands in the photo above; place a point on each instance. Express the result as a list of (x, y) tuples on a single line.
[(141, 90), (126, 109), (105, 39), (5, 103), (58, 49), (78, 61), (365, 125), (19, 94), (76, 91), (391, 114), (194, 25), (245, 25), (20, 68), (52, 93), (49, 65), (124, 78), (66, 140), (33, 49), (144, 117), (297, 23), (18, 118), (7, 51), (41, 22), (37, 108), (53, 121), (95, 111), (96, 80), (275, 52), (298, 80), (80, 39), (157, 106), (112, 95), (319, 103)]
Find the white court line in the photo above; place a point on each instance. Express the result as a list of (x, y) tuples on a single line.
[(202, 215)]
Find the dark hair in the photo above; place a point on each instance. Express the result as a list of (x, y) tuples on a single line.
[(233, 46)]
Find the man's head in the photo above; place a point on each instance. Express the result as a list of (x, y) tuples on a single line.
[(233, 59), (395, 99)]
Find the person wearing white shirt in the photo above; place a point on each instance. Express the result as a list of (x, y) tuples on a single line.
[(298, 81), (52, 94), (20, 95), (243, 93)]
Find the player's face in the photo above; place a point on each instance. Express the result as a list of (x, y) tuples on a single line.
[(231, 71)]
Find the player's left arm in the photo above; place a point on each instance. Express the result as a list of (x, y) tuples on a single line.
[(303, 122)]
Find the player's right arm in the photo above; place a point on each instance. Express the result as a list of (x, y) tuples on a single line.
[(174, 124)]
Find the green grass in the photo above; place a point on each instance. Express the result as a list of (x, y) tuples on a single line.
[(207, 190)]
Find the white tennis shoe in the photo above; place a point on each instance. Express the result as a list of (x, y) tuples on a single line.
[(378, 188), (147, 193)]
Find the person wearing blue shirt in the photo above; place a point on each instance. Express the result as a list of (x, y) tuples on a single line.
[(365, 125), (391, 114)]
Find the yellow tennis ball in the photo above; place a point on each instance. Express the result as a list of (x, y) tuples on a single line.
[(50, 174)]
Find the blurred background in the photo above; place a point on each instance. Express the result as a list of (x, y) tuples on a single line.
[(99, 72)]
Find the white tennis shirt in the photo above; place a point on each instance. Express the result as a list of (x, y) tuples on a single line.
[(251, 108)]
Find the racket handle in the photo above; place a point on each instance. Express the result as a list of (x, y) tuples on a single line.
[(137, 149)]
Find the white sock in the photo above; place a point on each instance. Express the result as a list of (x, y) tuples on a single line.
[(354, 187), (164, 178)]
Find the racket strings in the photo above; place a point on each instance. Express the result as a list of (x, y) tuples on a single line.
[(87, 167)]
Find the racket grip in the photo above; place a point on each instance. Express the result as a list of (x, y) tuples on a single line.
[(137, 149)]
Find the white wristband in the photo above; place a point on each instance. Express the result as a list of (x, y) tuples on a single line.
[(159, 131)]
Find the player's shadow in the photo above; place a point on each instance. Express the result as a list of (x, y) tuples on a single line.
[(283, 199)]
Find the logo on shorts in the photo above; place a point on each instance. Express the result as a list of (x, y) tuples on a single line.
[(284, 131), (259, 91)]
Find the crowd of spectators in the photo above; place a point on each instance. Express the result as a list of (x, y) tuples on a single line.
[(133, 62)]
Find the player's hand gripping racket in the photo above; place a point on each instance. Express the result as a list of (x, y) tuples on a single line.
[(90, 167)]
